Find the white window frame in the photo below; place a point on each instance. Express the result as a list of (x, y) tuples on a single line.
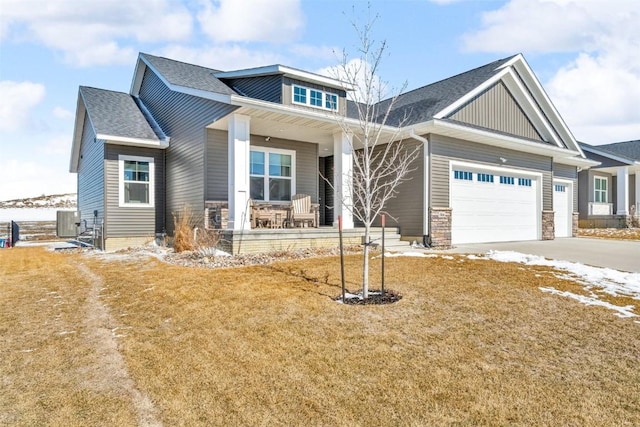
[(326, 98), (597, 178), (152, 180), (266, 176)]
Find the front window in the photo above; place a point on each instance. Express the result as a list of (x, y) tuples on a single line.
[(136, 178), (600, 186), (272, 174), (315, 98)]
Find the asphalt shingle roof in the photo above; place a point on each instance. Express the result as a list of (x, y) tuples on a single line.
[(628, 149), (116, 114), (188, 75), (420, 105)]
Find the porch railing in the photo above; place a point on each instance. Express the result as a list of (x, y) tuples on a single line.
[(600, 208)]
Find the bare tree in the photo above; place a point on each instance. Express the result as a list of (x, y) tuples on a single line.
[(381, 162)]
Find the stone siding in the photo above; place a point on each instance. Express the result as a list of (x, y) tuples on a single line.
[(440, 221), (574, 225), (548, 225)]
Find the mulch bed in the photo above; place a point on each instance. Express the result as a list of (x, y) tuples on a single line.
[(375, 298)]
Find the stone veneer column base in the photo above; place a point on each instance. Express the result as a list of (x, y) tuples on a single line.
[(574, 225), (440, 227), (548, 225)]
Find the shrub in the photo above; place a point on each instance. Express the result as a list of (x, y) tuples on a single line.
[(183, 239)]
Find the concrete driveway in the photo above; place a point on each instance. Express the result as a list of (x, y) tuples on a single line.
[(623, 255)]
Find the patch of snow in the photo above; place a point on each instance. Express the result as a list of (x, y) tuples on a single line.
[(408, 254), (29, 214), (593, 300), (606, 280)]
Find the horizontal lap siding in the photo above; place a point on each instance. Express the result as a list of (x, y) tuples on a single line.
[(306, 162), (266, 88), (127, 221), (570, 173), (408, 206), (217, 164), (183, 118), (444, 149), (90, 175)]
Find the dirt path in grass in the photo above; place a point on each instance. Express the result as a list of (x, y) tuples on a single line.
[(110, 371)]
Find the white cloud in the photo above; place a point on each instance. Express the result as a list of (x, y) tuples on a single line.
[(24, 178), (18, 99), (58, 145), (89, 33), (598, 91), (251, 20), (227, 57), (357, 73), (62, 113)]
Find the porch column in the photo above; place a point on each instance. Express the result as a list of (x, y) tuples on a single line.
[(623, 191), (239, 134), (342, 179)]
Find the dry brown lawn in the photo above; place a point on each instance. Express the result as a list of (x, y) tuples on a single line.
[(116, 340), (610, 233)]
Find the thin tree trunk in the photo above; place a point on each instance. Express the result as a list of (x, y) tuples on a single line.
[(365, 264)]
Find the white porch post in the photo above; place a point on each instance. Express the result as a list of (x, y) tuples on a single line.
[(622, 198), (239, 134), (342, 179)]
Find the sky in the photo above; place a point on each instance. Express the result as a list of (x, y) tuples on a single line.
[(586, 54)]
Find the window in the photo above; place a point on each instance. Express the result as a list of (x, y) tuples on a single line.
[(560, 188), (271, 173), (463, 175), (600, 186), (507, 180), (485, 177), (300, 95), (524, 182), (136, 181), (316, 98)]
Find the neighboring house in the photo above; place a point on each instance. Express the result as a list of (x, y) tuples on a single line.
[(497, 161), (609, 194)]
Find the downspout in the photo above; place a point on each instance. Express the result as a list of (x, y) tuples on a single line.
[(426, 238)]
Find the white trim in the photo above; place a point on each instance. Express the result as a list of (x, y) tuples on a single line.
[(292, 178), (288, 71), (135, 142), (537, 176), (152, 185), (570, 189), (307, 103), (606, 179)]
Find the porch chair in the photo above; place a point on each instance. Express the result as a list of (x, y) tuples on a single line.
[(301, 212)]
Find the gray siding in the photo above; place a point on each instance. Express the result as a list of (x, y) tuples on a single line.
[(217, 163), (266, 88), (90, 175), (133, 221), (408, 206), (306, 162), (496, 109), (586, 194), (288, 100), (183, 118), (444, 149), (568, 172)]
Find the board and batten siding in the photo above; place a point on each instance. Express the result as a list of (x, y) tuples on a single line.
[(133, 221), (444, 149), (183, 118), (570, 173), (496, 109), (90, 175), (217, 163)]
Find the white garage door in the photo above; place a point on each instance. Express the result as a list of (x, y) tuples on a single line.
[(562, 209), (489, 206)]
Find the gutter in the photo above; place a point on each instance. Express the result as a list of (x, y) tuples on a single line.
[(427, 170)]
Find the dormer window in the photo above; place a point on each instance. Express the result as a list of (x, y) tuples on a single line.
[(314, 98)]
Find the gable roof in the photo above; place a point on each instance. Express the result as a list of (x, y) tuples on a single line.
[(114, 117), (115, 114), (422, 104), (616, 154)]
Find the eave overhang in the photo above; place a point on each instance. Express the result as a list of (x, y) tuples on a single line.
[(286, 71), (487, 137)]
